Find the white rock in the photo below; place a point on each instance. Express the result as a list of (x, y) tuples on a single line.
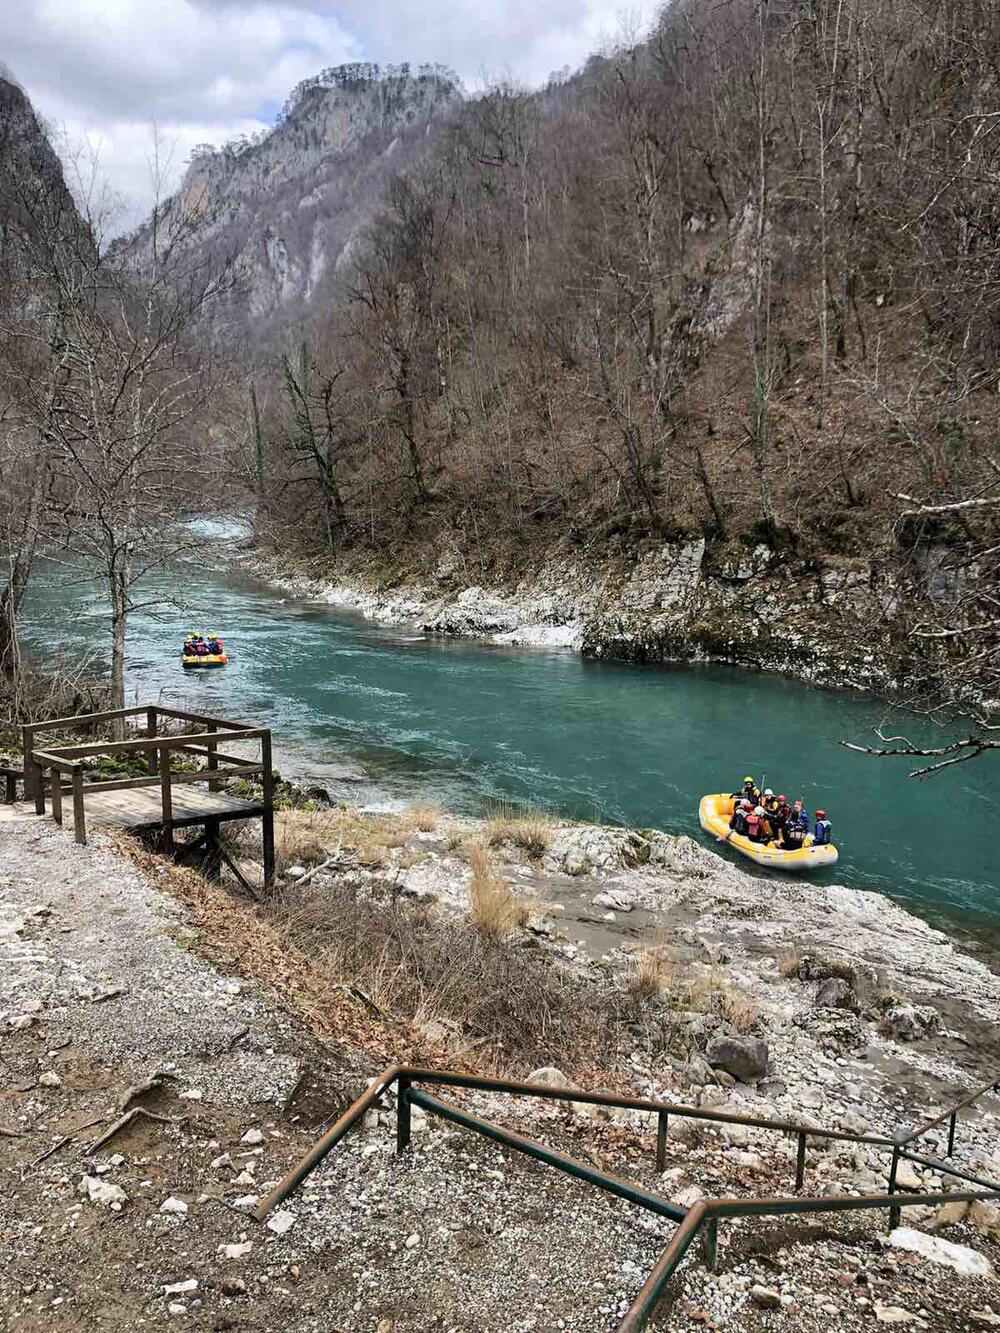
[(894, 1314), (176, 1308), (246, 1201), (218, 1162), (413, 1241), (245, 1178), (50, 1079), (281, 1222), (191, 1094), (181, 1288), (173, 1205), (252, 1136), (102, 1192), (238, 1250), (964, 1260)]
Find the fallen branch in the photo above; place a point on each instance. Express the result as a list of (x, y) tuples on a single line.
[(127, 1119), (59, 1143), (316, 869), (147, 1085)]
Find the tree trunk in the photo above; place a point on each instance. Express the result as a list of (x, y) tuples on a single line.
[(119, 585)]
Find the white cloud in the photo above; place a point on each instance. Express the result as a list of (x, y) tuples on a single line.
[(104, 72)]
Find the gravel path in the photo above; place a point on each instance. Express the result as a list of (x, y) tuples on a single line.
[(103, 989)]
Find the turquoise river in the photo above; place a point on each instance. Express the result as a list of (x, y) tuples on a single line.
[(390, 714)]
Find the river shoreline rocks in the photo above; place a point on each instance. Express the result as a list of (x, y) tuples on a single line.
[(830, 624)]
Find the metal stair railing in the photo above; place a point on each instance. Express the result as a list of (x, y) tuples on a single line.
[(699, 1221)]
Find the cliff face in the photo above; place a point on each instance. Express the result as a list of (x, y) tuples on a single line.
[(288, 208), (34, 199)]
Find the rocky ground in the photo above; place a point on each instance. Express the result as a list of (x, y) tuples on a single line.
[(674, 601), (808, 1003)]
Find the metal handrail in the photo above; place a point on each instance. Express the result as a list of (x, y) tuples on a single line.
[(701, 1219)]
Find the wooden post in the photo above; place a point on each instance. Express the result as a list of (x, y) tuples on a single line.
[(34, 781), (212, 861), (79, 814), (151, 733), (211, 761), (30, 776), (166, 800), (267, 819), (56, 795)]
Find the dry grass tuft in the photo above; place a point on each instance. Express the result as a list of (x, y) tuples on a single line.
[(708, 989), (493, 905), (789, 960), (303, 835), (526, 827), (652, 972), (738, 1008), (423, 818)]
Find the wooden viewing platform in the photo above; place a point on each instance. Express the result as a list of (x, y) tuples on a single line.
[(163, 799)]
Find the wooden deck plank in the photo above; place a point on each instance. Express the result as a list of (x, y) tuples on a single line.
[(140, 808)]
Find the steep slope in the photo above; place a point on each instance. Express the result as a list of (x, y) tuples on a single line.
[(286, 208), (33, 192)]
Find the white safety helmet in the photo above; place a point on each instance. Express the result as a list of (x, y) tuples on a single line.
[(768, 791)]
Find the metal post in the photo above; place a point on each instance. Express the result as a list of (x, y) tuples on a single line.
[(79, 814), (402, 1114), (661, 1141), (894, 1213), (166, 800), (800, 1162), (710, 1244), (267, 818), (151, 758), (951, 1133)]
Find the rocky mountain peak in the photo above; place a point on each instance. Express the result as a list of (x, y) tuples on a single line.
[(285, 206)]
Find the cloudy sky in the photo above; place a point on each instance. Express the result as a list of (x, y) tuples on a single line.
[(106, 72)]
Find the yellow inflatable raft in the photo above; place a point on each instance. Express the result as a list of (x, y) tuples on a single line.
[(714, 814), (192, 660)]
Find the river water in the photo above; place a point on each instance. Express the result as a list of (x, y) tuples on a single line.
[(385, 714)]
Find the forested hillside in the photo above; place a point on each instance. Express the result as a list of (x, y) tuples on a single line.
[(741, 280)]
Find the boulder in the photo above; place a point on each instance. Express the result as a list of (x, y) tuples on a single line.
[(910, 1022), (743, 1057), (835, 993), (985, 1217), (950, 1214), (550, 1077), (961, 1258)]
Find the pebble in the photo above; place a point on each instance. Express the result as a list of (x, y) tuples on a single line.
[(252, 1136), (50, 1079), (173, 1205)]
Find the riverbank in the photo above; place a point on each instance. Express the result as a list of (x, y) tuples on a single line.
[(830, 623), (209, 1012)]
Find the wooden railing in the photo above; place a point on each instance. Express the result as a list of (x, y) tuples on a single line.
[(66, 763)]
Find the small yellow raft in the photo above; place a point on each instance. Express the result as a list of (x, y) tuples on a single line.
[(191, 660), (714, 813)]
